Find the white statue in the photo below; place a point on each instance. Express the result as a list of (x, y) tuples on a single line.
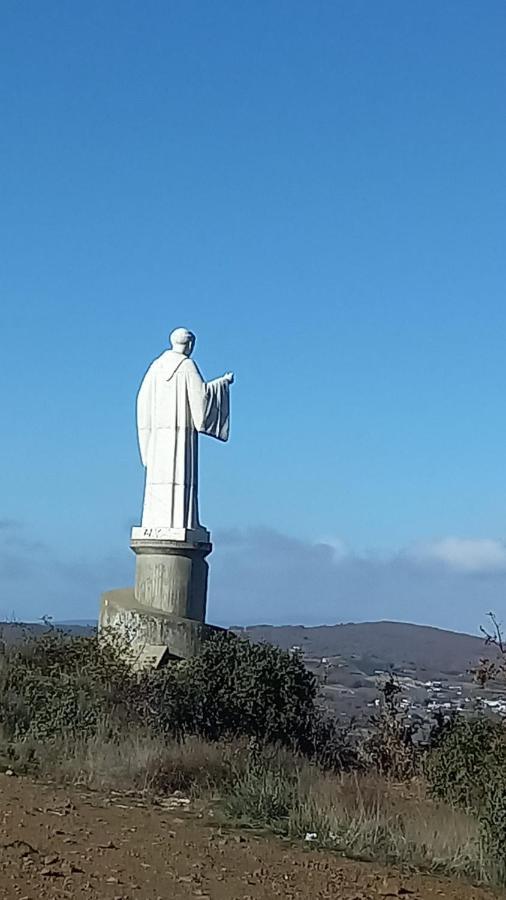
[(174, 404)]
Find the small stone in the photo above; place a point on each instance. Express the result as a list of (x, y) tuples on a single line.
[(72, 869), (52, 871)]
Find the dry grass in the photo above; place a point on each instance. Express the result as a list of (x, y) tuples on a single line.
[(363, 817), (373, 818), (359, 816), (142, 762)]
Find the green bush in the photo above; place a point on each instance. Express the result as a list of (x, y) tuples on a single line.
[(235, 687), (492, 819), (55, 685), (467, 768), (468, 755)]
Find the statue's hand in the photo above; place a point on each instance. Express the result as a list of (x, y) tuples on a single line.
[(229, 376)]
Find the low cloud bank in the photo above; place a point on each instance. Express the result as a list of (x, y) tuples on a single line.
[(259, 575), (263, 576)]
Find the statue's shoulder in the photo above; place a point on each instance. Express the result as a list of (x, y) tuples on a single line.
[(168, 363), (166, 360), (155, 366)]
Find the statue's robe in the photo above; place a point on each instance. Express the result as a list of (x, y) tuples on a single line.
[(174, 404)]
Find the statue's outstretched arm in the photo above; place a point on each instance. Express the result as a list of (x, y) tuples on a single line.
[(209, 402)]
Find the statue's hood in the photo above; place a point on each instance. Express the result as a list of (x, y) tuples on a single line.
[(168, 363)]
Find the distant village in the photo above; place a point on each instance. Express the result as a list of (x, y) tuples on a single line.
[(350, 690)]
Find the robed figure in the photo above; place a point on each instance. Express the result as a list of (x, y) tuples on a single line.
[(174, 405)]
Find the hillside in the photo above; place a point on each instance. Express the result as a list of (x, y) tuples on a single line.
[(16, 631), (366, 646), (433, 666), (379, 645)]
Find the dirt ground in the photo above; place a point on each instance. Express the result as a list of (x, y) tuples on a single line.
[(61, 843)]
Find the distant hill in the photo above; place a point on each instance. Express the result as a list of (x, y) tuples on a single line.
[(364, 647), (10, 632), (379, 645)]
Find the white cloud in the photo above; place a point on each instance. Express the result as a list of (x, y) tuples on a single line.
[(339, 549), (469, 555)]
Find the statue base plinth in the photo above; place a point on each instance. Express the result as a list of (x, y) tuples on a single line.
[(198, 535), (172, 576), (151, 636), (163, 616)]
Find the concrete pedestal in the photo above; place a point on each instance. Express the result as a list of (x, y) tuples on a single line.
[(172, 576), (151, 635), (163, 616)]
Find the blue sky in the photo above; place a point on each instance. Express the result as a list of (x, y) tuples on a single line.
[(318, 190)]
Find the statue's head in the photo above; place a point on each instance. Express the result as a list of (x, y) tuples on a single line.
[(182, 341)]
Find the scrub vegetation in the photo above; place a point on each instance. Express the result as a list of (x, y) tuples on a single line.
[(242, 727)]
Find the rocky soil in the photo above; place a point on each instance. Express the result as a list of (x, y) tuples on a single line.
[(60, 843)]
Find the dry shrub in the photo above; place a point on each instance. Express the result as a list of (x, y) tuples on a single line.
[(391, 746), (145, 762)]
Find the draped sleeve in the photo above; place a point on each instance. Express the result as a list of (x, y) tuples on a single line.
[(217, 409), (209, 403)]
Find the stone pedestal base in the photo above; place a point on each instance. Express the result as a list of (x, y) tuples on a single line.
[(151, 635), (163, 616)]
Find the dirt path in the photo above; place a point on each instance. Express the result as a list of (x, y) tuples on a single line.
[(59, 843)]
